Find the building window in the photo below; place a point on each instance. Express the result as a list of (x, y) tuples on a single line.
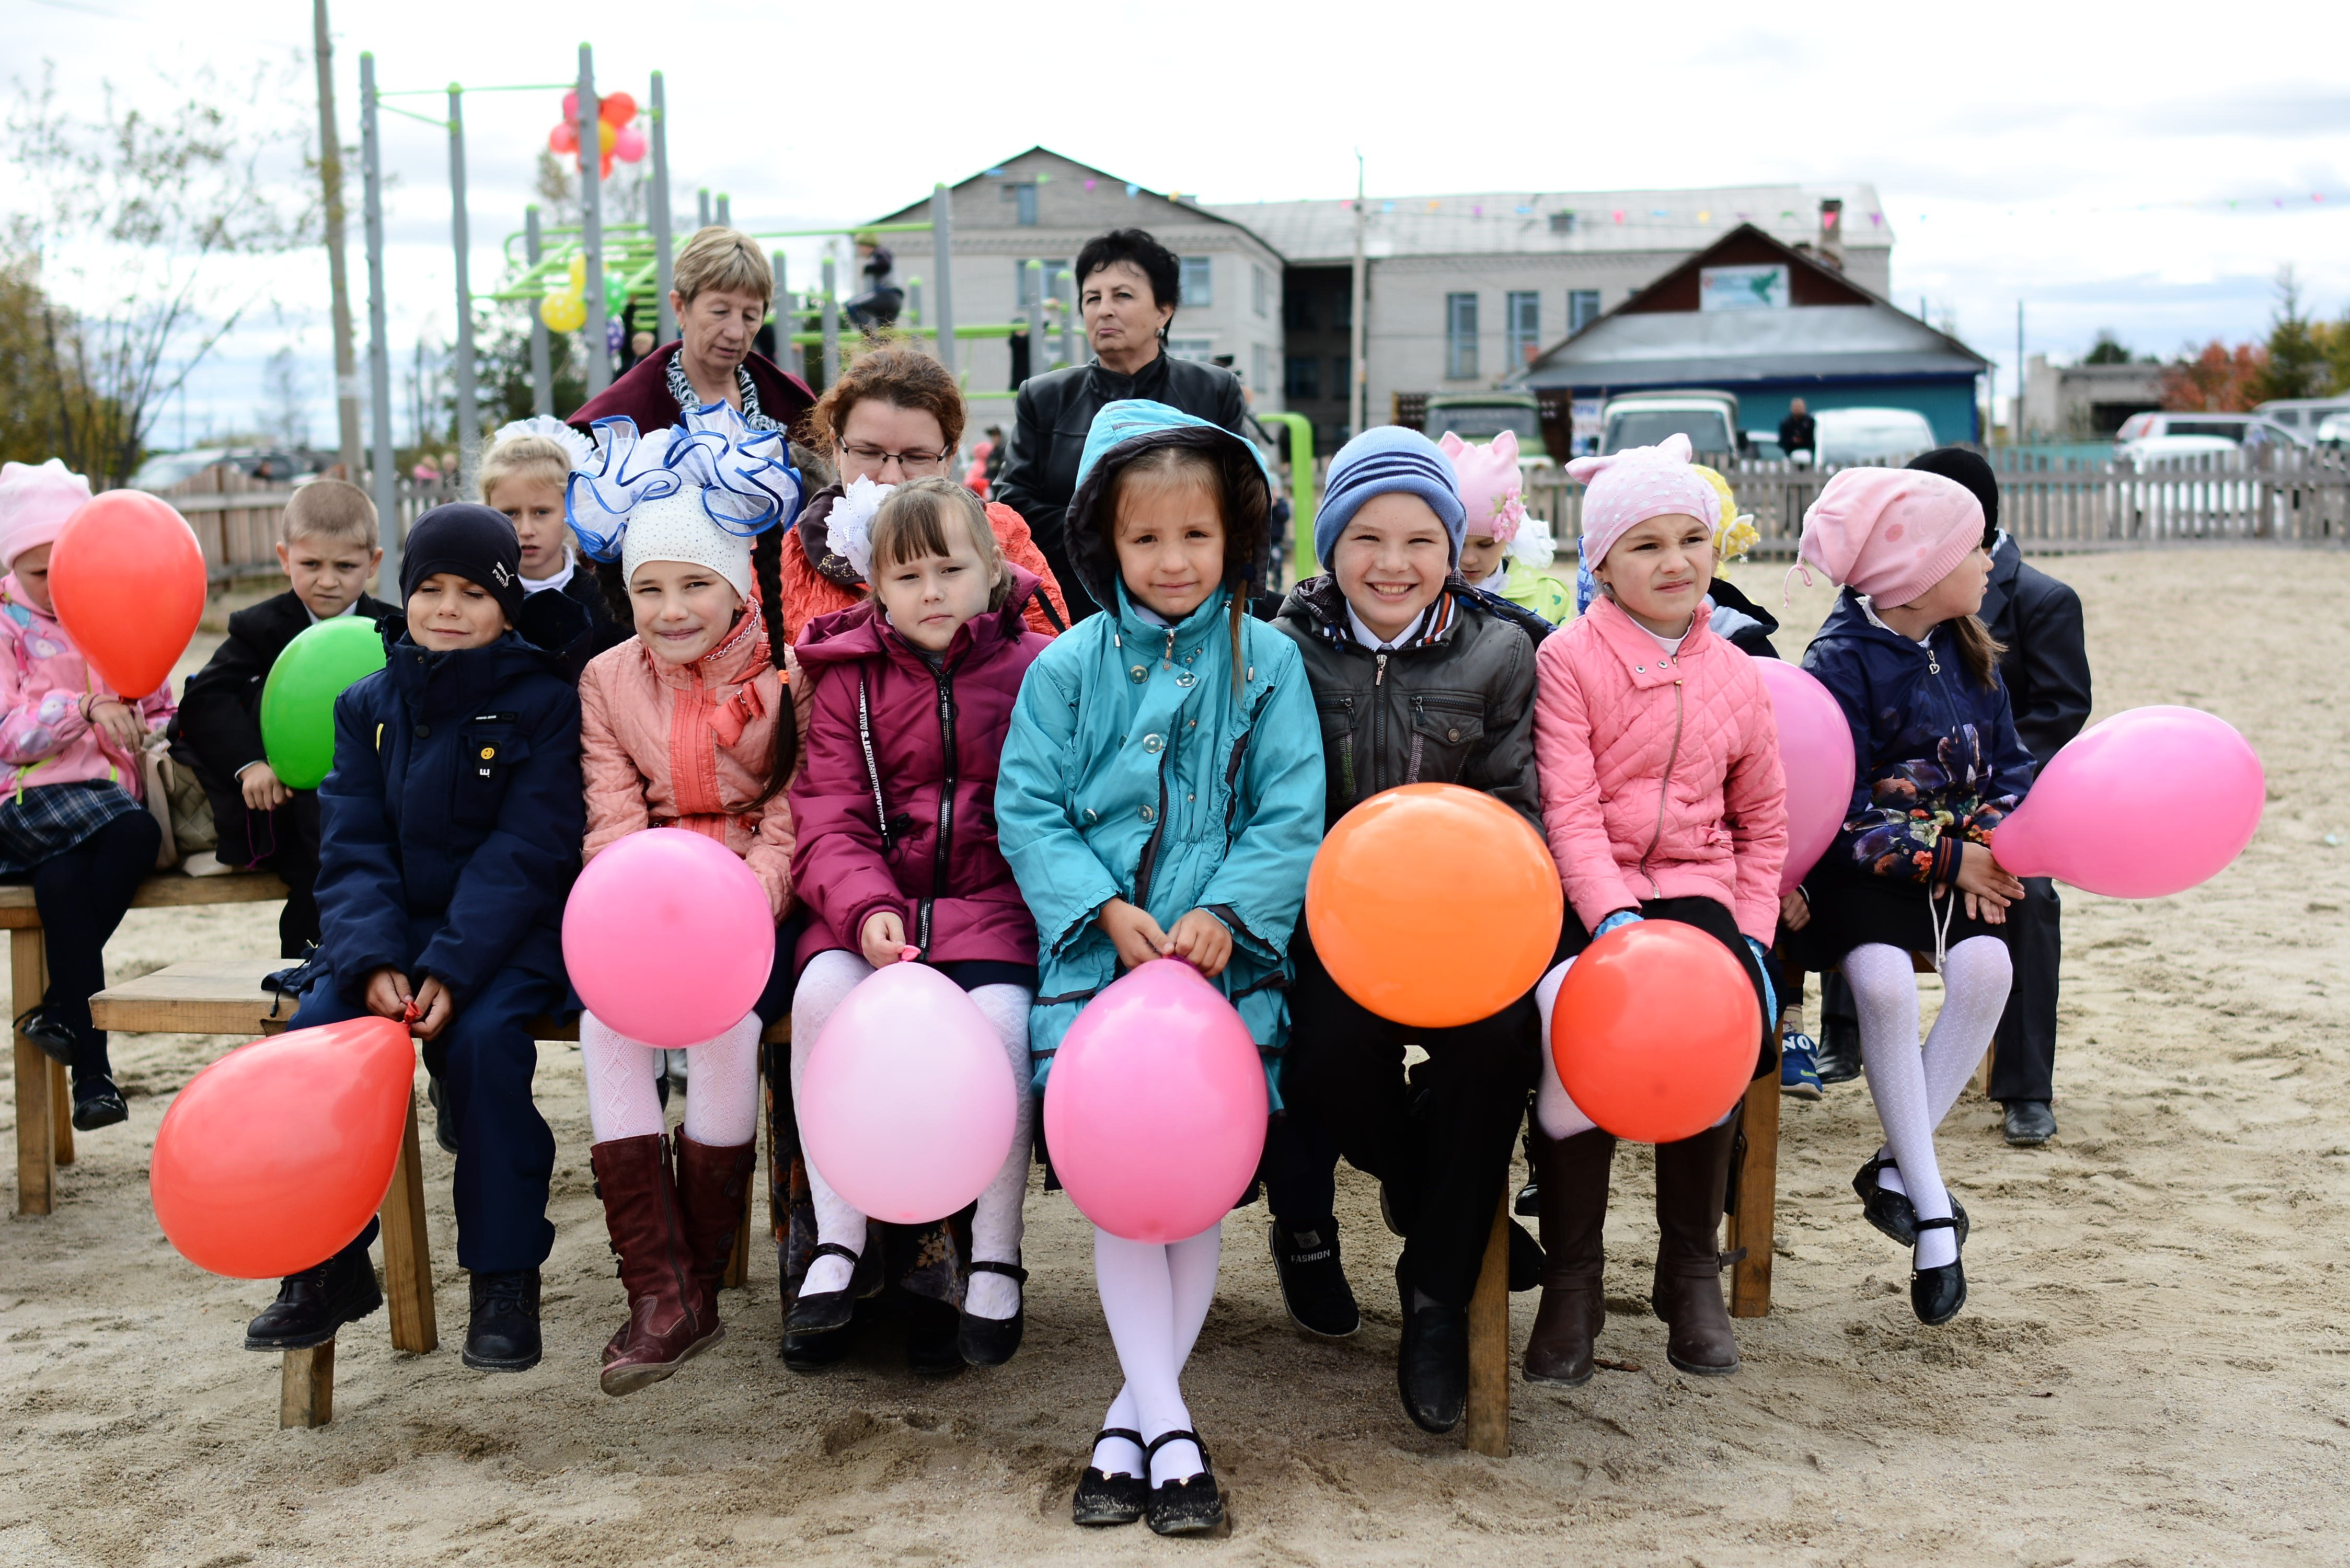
[(1582, 308), (1263, 282), (1562, 223), (1199, 280), (1525, 325), (1025, 195), (1203, 349), (1341, 383), (1461, 336), (1303, 381)]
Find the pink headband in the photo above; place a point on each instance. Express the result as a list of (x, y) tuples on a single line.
[(1491, 488), (1890, 533), (1634, 485)]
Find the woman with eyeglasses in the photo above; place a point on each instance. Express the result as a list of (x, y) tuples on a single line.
[(894, 416), (1128, 285)]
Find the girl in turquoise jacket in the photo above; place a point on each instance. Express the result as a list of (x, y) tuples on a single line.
[(1161, 795)]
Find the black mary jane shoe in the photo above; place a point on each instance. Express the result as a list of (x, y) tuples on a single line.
[(1892, 1211), (828, 1310), (51, 1033), (1193, 1507), (98, 1103), (503, 1334), (1936, 1295), (817, 1352), (992, 1341), (1111, 1499)]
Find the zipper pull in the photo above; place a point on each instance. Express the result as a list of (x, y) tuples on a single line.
[(1380, 678), (1167, 660)]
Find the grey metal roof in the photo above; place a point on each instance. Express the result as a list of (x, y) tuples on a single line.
[(1518, 221), (1653, 348)]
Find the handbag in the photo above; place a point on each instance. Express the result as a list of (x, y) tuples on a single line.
[(176, 801)]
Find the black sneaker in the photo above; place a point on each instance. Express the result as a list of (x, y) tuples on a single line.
[(99, 1103), (1313, 1281), (502, 1334), (315, 1304), (444, 1121), (51, 1033)]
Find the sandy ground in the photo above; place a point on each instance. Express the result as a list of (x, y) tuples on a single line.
[(2152, 1367)]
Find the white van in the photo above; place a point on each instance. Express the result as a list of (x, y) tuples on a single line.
[(1709, 419), (2302, 416), (1848, 436)]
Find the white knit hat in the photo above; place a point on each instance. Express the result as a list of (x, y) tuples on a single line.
[(700, 493)]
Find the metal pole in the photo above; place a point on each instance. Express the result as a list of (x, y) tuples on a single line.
[(831, 326), (542, 371), (469, 408), (380, 459), (664, 251), (1031, 300), (591, 224), (782, 314), (1065, 289), (1357, 389), (942, 270), (338, 282), (722, 211), (701, 217), (2015, 420), (913, 316)]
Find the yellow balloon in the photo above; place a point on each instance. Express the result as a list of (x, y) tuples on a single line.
[(605, 136), (563, 312), (578, 274)]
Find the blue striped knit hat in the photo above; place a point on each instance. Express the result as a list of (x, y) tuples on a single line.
[(1381, 462)]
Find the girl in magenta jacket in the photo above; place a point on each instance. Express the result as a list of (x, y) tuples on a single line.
[(912, 693), (70, 784), (1663, 798)]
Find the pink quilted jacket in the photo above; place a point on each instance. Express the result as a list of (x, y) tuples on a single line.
[(688, 747), (45, 688), (1660, 772)]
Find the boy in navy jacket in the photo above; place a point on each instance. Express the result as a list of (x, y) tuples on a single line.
[(450, 833)]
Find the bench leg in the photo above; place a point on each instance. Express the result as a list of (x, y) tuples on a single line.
[(1486, 1429), (36, 1152), (407, 1252), (305, 1389), (1983, 1073), (1753, 1224), (738, 1263), (61, 1113)]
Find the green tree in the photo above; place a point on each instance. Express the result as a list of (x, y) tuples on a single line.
[(2108, 349), (2296, 364), (31, 410)]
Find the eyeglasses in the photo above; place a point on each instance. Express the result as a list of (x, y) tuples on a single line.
[(909, 462)]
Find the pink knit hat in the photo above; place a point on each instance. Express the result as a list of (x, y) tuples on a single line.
[(1636, 484), (1891, 533), (34, 506), (1491, 488)]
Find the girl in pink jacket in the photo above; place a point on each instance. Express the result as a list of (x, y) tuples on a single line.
[(1663, 796), (690, 725), (70, 815)]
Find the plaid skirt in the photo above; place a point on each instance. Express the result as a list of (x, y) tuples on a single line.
[(43, 822)]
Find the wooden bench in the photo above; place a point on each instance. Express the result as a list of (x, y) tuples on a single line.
[(44, 1101), (224, 996)]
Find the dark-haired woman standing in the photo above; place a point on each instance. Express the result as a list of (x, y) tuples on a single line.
[(1128, 285)]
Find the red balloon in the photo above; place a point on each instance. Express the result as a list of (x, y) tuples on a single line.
[(273, 1158), (617, 109), (564, 138), (1655, 1032), (127, 578)]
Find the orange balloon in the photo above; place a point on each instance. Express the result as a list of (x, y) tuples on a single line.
[(1656, 1030), (1434, 951), (616, 109), (127, 578), (273, 1158)]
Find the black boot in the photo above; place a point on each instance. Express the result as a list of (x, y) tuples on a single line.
[(1571, 1176), (1433, 1365), (96, 1102), (1838, 1057), (503, 1335), (1313, 1281), (1692, 1179), (313, 1304)]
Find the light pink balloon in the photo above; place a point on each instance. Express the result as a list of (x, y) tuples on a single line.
[(1155, 1109), (908, 1105), (2146, 803), (668, 937), (1815, 749), (629, 145)]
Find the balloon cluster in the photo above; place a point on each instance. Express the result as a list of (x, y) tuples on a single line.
[(616, 138)]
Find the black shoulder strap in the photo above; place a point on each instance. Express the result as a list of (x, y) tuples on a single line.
[(872, 768)]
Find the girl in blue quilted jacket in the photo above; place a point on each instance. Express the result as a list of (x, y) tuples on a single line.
[(1162, 795)]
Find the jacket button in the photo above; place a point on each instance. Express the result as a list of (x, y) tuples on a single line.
[(1639, 669), (1185, 679), (1451, 735), (422, 731), (488, 752), (1149, 814), (1151, 743), (1139, 673), (1092, 815)]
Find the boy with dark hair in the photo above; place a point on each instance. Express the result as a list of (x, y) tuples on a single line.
[(327, 544)]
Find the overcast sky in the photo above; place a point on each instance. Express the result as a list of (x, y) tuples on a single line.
[(2101, 165)]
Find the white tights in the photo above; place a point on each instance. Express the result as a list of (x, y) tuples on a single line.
[(1559, 1116), (1914, 1088), (1155, 1298), (723, 1110), (995, 1226)]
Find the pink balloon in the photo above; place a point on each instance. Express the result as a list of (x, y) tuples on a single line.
[(629, 145), (669, 938), (1815, 749), (1155, 1109), (2146, 804), (908, 1105), (571, 105)]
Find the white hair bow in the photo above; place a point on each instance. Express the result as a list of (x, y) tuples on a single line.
[(745, 477), (546, 428)]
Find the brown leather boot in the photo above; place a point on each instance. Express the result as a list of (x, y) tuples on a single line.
[(1692, 1178), (1571, 1183), (714, 1182), (641, 1210)]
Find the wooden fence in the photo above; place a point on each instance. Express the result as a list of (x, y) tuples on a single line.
[(235, 517), (2293, 498)]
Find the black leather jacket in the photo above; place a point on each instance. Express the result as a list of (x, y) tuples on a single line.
[(2046, 665), (1455, 707), (1048, 435)]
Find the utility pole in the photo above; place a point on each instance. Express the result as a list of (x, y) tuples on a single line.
[(380, 459), (942, 272), (460, 233), (1357, 377), (591, 224), (664, 251), (330, 175)]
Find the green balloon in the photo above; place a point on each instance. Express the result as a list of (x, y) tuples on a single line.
[(297, 701)]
